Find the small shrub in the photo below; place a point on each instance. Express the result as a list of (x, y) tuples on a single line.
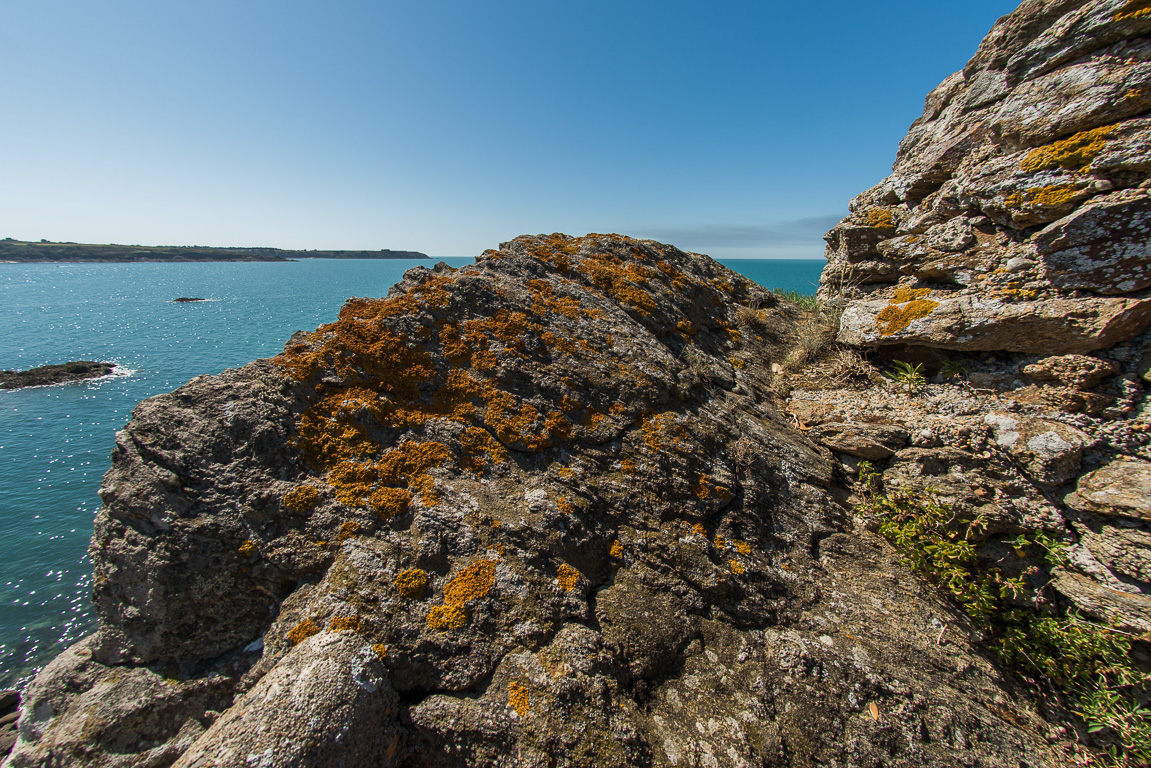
[(1091, 665), (907, 376)]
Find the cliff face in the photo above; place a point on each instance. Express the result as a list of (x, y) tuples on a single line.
[(542, 510), (1017, 216)]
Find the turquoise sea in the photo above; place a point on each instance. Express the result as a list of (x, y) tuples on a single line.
[(55, 441)]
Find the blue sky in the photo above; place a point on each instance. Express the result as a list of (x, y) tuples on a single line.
[(736, 129)]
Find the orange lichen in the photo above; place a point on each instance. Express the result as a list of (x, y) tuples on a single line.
[(566, 506), (349, 530), (303, 631), (518, 699), (742, 547), (896, 317), (1133, 10), (301, 498), (704, 488), (736, 567), (627, 466), (881, 218), (1051, 196), (471, 583), (686, 327), (719, 542), (381, 651), (698, 528), (567, 577), (545, 300), (344, 624), (616, 549), (903, 294), (386, 486), (248, 548), (410, 583), (1074, 153), (652, 426), (480, 448), (620, 280), (445, 617)]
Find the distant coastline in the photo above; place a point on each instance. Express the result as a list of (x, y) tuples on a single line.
[(24, 252)]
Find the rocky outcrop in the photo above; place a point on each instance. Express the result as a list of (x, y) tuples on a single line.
[(541, 510), (1017, 216), (55, 374)]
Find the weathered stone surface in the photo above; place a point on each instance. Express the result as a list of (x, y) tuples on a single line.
[(1078, 371), (1018, 197), (1125, 551), (1126, 611), (509, 516), (960, 320), (1048, 451), (1120, 488), (867, 441), (328, 702)]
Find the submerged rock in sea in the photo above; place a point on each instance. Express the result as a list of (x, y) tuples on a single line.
[(55, 374), (541, 510), (1017, 216)]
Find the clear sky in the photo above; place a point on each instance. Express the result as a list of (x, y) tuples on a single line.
[(739, 129)]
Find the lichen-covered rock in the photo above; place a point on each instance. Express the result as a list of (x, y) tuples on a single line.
[(1018, 203), (867, 441), (541, 510), (1120, 488), (1126, 611), (1048, 451), (1076, 371)]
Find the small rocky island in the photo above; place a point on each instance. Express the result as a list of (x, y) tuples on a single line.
[(25, 252), (595, 501), (55, 374)]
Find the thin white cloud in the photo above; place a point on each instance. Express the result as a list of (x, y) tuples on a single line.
[(807, 231)]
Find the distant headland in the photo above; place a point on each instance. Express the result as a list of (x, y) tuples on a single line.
[(21, 251)]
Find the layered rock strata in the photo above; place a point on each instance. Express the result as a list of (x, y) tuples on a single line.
[(1017, 216), (538, 511)]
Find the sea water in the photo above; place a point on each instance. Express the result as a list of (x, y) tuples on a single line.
[(55, 441)]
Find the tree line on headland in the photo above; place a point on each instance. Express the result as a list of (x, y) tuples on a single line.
[(12, 250)]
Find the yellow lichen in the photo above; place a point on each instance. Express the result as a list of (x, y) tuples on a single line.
[(411, 583), (903, 294), (742, 547), (616, 549), (1058, 194), (301, 498), (686, 327), (349, 530), (736, 567), (567, 577), (1074, 153), (1133, 10), (303, 631), (518, 699), (719, 542), (445, 617), (471, 583), (249, 548), (881, 218), (344, 624), (381, 651), (896, 317)]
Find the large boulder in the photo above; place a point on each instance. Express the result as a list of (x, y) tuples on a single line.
[(508, 515), (1017, 215)]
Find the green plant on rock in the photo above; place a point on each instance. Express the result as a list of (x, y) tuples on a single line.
[(953, 369), (1090, 665), (907, 376)]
